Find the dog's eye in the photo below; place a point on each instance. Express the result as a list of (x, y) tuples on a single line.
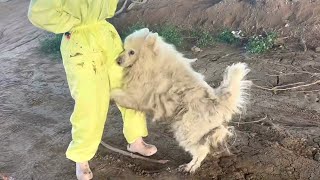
[(131, 52)]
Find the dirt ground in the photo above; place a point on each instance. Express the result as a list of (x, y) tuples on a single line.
[(35, 109), (290, 18)]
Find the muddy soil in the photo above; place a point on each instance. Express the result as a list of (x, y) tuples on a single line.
[(36, 105)]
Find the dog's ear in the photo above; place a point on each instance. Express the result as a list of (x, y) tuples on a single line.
[(151, 38), (144, 31), (151, 41)]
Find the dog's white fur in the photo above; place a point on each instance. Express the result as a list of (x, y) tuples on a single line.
[(159, 80)]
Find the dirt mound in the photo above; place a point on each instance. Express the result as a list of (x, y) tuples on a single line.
[(294, 18)]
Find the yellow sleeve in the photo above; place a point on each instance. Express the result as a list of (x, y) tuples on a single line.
[(112, 7), (49, 15)]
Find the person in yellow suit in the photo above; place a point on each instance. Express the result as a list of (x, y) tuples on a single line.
[(89, 49)]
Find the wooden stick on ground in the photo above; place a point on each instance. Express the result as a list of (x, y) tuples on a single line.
[(249, 122), (278, 88), (131, 154), (133, 3)]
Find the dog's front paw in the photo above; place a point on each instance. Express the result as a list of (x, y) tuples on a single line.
[(193, 169), (188, 168), (183, 168)]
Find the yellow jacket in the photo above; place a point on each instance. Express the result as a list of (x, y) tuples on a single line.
[(60, 16)]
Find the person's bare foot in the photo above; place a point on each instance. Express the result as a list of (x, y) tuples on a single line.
[(139, 146), (83, 171)]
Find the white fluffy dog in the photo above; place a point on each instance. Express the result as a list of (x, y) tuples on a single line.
[(159, 80)]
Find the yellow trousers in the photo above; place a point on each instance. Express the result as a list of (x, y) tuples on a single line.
[(89, 55)]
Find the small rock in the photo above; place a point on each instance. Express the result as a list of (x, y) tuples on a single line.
[(253, 134), (279, 41), (317, 156), (249, 177), (237, 34), (318, 49), (238, 175), (203, 70), (268, 169), (196, 49), (316, 140), (287, 25), (290, 169)]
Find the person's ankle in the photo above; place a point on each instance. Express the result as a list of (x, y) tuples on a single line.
[(139, 146), (137, 141), (83, 171)]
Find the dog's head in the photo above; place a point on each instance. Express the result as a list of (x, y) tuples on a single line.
[(136, 45)]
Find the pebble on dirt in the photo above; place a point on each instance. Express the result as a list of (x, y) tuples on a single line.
[(317, 156)]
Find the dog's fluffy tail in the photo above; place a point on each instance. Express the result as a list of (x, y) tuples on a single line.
[(233, 91), (232, 96)]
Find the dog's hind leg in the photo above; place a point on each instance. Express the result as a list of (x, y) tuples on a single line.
[(199, 153)]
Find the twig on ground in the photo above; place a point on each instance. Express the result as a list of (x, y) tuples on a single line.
[(278, 88), (286, 74), (132, 155), (303, 41), (249, 122), (314, 68), (133, 3), (291, 84), (297, 71), (122, 8), (317, 90)]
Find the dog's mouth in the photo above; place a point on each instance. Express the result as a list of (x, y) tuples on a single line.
[(121, 61)]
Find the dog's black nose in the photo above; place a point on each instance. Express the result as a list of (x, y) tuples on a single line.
[(119, 61)]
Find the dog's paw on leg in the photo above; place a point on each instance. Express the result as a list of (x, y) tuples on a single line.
[(183, 168), (188, 168), (193, 167), (198, 155)]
